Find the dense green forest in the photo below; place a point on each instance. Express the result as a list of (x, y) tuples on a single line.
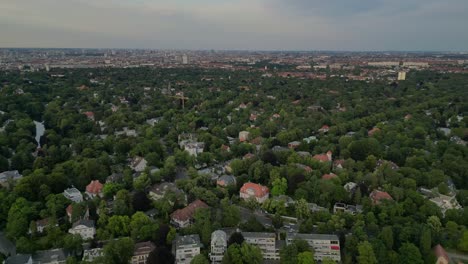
[(394, 137)]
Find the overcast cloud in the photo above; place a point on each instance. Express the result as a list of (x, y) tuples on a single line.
[(237, 24)]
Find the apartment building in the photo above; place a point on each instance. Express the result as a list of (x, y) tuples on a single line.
[(265, 241), (186, 248), (218, 246), (324, 245)]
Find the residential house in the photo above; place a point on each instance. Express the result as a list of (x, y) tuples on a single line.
[(244, 136), (19, 259), (194, 148), (294, 144), (254, 191), (141, 252), (218, 246), (73, 194), (324, 157), (329, 176), (114, 178), (226, 180), (127, 132), (391, 164), (265, 241), (138, 164), (183, 217), (324, 129), (42, 224), (286, 200), (89, 255), (347, 208), (350, 187), (324, 245), (373, 131), (8, 176), (94, 189), (441, 255), (89, 115), (159, 191), (310, 139), (186, 248), (445, 202), (338, 164), (378, 196), (85, 228), (53, 256)]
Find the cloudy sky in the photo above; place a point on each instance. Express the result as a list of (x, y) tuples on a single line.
[(237, 24)]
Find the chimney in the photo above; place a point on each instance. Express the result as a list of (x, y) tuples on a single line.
[(329, 155)]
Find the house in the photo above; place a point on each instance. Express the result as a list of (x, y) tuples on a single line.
[(218, 246), (226, 180), (304, 167), (183, 217), (73, 194), (138, 164), (244, 136), (324, 129), (310, 139), (89, 115), (445, 202), (253, 117), (338, 164), (441, 255), (265, 241), (42, 224), (89, 255), (350, 187), (141, 252), (19, 259), (347, 208), (377, 196), (127, 132), (248, 156), (94, 189), (84, 228), (159, 191), (324, 245), (7, 176), (194, 148), (53, 256), (294, 144), (186, 248), (323, 157), (314, 208), (114, 178), (225, 148), (286, 200), (254, 191), (391, 164), (373, 131), (329, 176)]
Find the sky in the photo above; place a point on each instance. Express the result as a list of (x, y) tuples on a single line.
[(341, 25)]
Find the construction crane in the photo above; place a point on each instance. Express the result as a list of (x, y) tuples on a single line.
[(180, 96)]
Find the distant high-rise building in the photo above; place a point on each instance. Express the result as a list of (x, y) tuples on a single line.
[(401, 76), (184, 59)]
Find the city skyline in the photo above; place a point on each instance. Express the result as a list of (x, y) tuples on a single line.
[(379, 25)]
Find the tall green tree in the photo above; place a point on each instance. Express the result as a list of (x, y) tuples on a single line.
[(366, 253)]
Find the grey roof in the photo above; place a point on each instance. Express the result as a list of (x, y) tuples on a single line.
[(228, 179), (258, 235), (14, 174), (18, 259), (87, 223), (312, 236), (47, 256), (6, 246), (188, 240)]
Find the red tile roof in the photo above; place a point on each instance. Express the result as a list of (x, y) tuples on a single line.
[(69, 210), (95, 187), (89, 114), (259, 190), (187, 213), (439, 251), (377, 195)]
